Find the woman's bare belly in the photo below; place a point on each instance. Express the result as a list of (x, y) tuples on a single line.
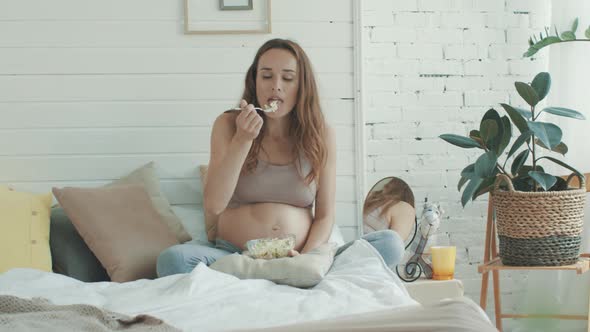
[(254, 221)]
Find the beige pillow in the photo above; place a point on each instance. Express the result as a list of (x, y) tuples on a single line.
[(121, 227), (146, 176), (305, 270)]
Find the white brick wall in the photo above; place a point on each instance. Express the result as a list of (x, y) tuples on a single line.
[(432, 67)]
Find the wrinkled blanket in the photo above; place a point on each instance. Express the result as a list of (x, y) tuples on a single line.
[(38, 314)]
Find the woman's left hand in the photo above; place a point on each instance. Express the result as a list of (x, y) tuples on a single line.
[(293, 253)]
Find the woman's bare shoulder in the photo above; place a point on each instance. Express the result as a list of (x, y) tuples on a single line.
[(329, 137), (329, 132), (401, 207), (226, 122), (227, 117)]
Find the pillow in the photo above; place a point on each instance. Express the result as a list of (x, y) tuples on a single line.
[(71, 255), (24, 230), (336, 236), (121, 227), (193, 220), (305, 270), (146, 176)]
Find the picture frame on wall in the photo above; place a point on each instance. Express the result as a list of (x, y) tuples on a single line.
[(227, 16), (235, 4)]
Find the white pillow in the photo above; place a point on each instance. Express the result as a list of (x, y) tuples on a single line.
[(336, 236), (305, 270), (193, 220)]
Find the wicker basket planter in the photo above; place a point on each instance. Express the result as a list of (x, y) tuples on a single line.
[(538, 228)]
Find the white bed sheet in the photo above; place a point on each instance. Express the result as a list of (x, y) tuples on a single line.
[(207, 300)]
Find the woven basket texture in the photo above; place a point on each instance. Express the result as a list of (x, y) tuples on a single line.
[(548, 251), (538, 228)]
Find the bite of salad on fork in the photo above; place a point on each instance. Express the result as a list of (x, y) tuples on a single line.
[(273, 107)]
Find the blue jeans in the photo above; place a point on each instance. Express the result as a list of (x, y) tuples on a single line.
[(182, 258)]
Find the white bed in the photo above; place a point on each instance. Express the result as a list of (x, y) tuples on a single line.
[(207, 300)]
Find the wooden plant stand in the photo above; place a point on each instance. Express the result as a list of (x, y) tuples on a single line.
[(491, 262)]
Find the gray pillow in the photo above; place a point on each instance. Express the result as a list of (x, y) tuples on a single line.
[(70, 254), (305, 270)]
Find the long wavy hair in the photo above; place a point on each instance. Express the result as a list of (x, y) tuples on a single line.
[(393, 192), (307, 124)]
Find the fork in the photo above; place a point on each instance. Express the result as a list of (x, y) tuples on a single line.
[(267, 110)]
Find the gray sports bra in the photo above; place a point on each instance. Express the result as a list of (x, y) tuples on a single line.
[(276, 184)]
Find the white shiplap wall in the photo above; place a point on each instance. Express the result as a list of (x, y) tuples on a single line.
[(90, 90)]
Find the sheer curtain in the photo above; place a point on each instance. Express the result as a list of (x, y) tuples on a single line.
[(565, 292)]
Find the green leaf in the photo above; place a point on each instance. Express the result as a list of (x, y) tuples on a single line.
[(469, 171), (525, 113), (540, 44), (506, 136), (545, 180), (460, 141), (530, 52), (587, 33), (541, 84), (470, 190), (484, 187), (559, 148), (485, 164), (462, 181), (516, 118), (548, 133), (575, 25), (561, 111), (568, 35), (524, 170), (561, 184), (489, 131), (527, 93), (562, 164), (519, 160), (474, 134), (523, 182), (547, 41), (519, 142)]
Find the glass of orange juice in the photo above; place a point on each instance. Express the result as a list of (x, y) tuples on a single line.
[(443, 262)]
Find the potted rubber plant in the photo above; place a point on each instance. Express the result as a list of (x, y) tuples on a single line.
[(539, 218), (495, 134)]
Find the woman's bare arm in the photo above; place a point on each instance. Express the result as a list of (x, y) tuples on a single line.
[(325, 204), (231, 139), (402, 218)]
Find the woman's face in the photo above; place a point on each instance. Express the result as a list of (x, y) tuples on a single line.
[(277, 79)]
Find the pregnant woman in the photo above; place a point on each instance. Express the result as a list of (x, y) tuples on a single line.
[(272, 170)]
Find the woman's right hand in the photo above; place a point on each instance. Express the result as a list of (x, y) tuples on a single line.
[(248, 122)]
